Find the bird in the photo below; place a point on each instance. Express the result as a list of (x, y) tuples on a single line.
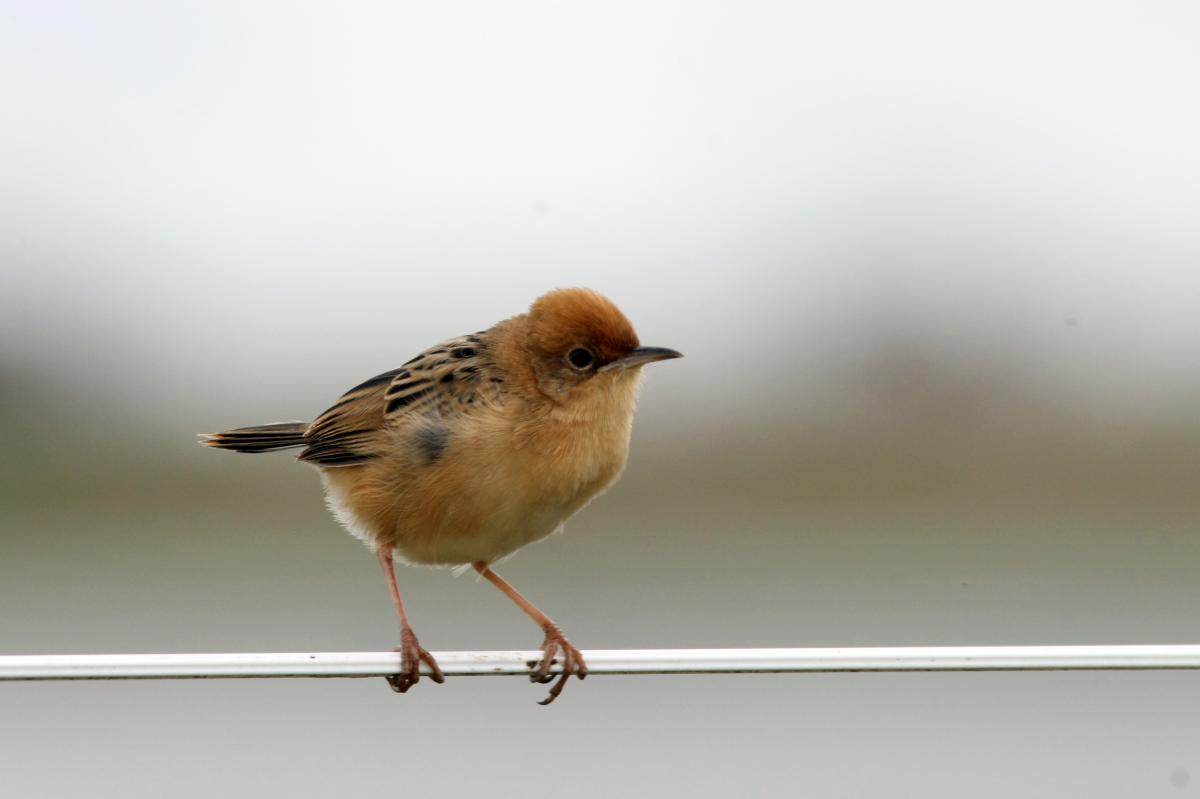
[(475, 448)]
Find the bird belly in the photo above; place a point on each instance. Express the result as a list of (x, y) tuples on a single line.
[(499, 536), (464, 511), (488, 519), (495, 487)]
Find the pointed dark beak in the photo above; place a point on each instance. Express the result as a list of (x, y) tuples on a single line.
[(641, 355)]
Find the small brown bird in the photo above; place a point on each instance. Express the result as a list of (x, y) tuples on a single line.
[(477, 447)]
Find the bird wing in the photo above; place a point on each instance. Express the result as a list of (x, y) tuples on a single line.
[(447, 380)]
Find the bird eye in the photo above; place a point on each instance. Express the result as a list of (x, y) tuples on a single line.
[(579, 358)]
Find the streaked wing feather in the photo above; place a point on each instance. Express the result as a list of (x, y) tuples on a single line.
[(445, 380)]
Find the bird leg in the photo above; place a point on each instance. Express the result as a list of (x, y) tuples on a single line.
[(554, 642), (411, 653)]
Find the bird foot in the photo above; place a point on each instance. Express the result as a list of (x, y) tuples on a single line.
[(572, 663), (411, 658)]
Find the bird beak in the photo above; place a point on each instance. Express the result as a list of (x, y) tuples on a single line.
[(639, 356)]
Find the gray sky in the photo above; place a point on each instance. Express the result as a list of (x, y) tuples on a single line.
[(210, 188)]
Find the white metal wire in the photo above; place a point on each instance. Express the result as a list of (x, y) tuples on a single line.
[(606, 661)]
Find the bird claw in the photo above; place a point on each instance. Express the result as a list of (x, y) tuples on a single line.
[(572, 664), (411, 658)]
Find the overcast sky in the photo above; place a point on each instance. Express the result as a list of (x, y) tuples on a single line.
[(308, 194)]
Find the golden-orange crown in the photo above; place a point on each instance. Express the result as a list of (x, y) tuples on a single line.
[(563, 318)]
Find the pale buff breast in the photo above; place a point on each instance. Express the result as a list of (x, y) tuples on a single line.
[(504, 481)]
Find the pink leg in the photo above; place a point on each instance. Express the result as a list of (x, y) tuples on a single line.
[(411, 653), (554, 641)]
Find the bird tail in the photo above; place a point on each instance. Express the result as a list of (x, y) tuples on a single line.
[(262, 438)]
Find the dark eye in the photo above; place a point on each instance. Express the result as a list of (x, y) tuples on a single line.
[(580, 358)]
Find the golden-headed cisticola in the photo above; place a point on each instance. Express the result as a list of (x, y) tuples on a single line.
[(476, 447)]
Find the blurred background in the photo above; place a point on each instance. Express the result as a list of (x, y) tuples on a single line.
[(934, 266)]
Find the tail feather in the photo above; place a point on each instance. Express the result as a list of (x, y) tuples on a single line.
[(262, 438)]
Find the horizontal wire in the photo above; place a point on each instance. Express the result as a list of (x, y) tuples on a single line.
[(605, 661)]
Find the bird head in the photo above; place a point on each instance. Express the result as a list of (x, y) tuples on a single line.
[(577, 339)]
